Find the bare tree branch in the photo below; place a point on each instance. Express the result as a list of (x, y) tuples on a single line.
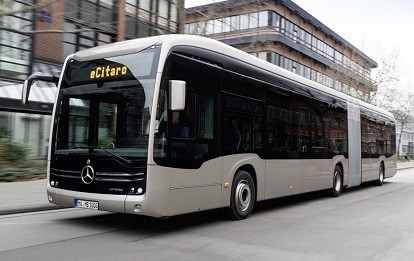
[(385, 79), (15, 30), (4, 8)]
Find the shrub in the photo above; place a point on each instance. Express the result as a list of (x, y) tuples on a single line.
[(11, 151)]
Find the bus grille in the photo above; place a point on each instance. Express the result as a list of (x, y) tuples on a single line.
[(100, 176)]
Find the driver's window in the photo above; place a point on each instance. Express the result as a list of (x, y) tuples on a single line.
[(107, 124), (188, 136), (78, 123), (184, 122)]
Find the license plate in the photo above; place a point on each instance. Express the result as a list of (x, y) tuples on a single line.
[(86, 204)]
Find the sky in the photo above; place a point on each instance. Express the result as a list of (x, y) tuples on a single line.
[(379, 28)]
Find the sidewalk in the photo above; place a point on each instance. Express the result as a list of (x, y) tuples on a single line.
[(405, 165), (30, 196)]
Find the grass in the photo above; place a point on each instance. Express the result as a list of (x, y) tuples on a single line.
[(23, 171)]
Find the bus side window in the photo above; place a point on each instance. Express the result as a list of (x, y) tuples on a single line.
[(233, 135)]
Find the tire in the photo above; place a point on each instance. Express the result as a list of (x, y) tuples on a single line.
[(243, 196), (337, 182), (381, 175)]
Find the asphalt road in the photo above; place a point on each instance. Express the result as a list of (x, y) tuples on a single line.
[(364, 223)]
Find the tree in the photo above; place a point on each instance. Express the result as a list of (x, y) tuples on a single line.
[(391, 98), (402, 107), (385, 80)]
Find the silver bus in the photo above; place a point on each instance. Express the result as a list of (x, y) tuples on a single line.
[(174, 124)]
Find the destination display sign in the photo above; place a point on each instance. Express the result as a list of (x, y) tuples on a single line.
[(118, 68), (108, 71), (96, 71)]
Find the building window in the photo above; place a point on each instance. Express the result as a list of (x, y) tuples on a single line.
[(15, 48), (218, 26), (151, 17), (226, 24), (244, 22), (163, 12), (263, 18), (338, 57), (73, 42), (253, 20), (174, 16), (99, 15), (210, 27), (235, 23)]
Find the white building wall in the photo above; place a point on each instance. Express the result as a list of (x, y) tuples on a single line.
[(407, 142), (31, 130)]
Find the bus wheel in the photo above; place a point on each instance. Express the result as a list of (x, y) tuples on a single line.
[(243, 195), (337, 182), (381, 174)]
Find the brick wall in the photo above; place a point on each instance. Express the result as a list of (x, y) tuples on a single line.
[(48, 46)]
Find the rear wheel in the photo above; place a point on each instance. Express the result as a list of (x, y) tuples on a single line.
[(381, 175), (243, 195), (337, 182)]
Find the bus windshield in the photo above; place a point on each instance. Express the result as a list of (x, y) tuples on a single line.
[(106, 103)]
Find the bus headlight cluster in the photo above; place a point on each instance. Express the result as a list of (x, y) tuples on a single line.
[(138, 191), (54, 183)]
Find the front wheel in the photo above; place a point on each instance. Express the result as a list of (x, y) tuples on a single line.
[(337, 182), (243, 195)]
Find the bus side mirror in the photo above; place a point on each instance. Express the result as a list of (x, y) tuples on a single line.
[(27, 85), (177, 95)]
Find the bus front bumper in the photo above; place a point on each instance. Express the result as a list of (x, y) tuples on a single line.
[(105, 202)]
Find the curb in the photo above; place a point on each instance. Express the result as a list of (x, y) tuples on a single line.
[(403, 168), (28, 209)]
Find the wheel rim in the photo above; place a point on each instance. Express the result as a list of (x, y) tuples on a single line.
[(243, 195), (337, 181)]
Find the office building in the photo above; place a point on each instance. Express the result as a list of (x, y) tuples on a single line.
[(284, 34), (74, 25)]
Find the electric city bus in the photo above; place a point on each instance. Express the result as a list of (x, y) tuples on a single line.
[(175, 124)]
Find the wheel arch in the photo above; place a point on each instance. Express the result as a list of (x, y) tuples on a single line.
[(251, 170), (341, 166), (382, 163), (253, 165)]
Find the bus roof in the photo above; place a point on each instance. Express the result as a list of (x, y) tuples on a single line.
[(169, 41)]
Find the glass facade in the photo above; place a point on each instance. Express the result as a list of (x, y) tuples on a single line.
[(309, 73), (92, 12), (150, 17), (273, 20), (143, 18), (102, 17), (99, 15), (16, 48)]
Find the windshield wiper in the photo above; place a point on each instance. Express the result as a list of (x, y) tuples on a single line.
[(120, 159)]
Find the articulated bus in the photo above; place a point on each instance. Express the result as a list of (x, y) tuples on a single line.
[(174, 124)]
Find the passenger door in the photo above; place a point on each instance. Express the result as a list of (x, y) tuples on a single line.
[(196, 171)]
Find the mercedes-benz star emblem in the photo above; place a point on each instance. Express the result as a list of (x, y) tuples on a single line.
[(88, 174)]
